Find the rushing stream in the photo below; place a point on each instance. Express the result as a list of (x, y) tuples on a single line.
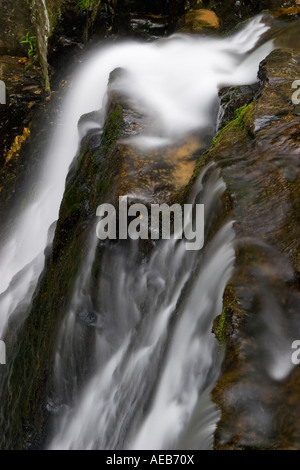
[(136, 343), (155, 358)]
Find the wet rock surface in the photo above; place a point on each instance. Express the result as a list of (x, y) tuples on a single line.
[(258, 156), (150, 176), (27, 121), (232, 99), (233, 12), (198, 20), (24, 96)]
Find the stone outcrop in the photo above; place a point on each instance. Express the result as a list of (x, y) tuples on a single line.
[(233, 13), (258, 155), (35, 18), (197, 20), (105, 168)]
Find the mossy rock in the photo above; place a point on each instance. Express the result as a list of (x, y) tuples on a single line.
[(257, 154), (198, 20)]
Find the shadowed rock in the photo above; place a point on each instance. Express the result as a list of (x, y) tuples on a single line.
[(258, 154)]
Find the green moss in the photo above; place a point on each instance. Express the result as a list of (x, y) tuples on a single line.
[(239, 123), (220, 323), (221, 336), (239, 26), (112, 128), (47, 84), (103, 186), (88, 5)]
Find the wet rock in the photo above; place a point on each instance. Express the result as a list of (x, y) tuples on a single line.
[(64, 54), (26, 125), (198, 20), (233, 98), (150, 19), (32, 18), (149, 27), (24, 94), (289, 11), (87, 317), (150, 174), (232, 12), (15, 22), (258, 155)]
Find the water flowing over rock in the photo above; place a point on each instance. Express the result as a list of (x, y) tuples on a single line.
[(139, 345), (258, 154)]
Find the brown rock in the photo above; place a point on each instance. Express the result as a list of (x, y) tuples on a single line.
[(258, 154), (198, 20)]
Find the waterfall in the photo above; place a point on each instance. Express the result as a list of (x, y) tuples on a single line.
[(134, 339), (154, 357)]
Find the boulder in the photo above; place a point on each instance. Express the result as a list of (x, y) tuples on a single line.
[(108, 165), (198, 20), (258, 156)]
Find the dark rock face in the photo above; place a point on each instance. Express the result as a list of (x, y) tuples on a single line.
[(233, 98), (26, 105), (148, 19), (172, 7), (15, 21), (198, 20), (258, 154), (232, 12), (19, 18), (25, 97)]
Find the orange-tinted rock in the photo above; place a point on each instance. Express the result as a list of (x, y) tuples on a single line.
[(198, 20)]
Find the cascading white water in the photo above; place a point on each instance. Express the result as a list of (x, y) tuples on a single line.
[(176, 82), (131, 341)]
